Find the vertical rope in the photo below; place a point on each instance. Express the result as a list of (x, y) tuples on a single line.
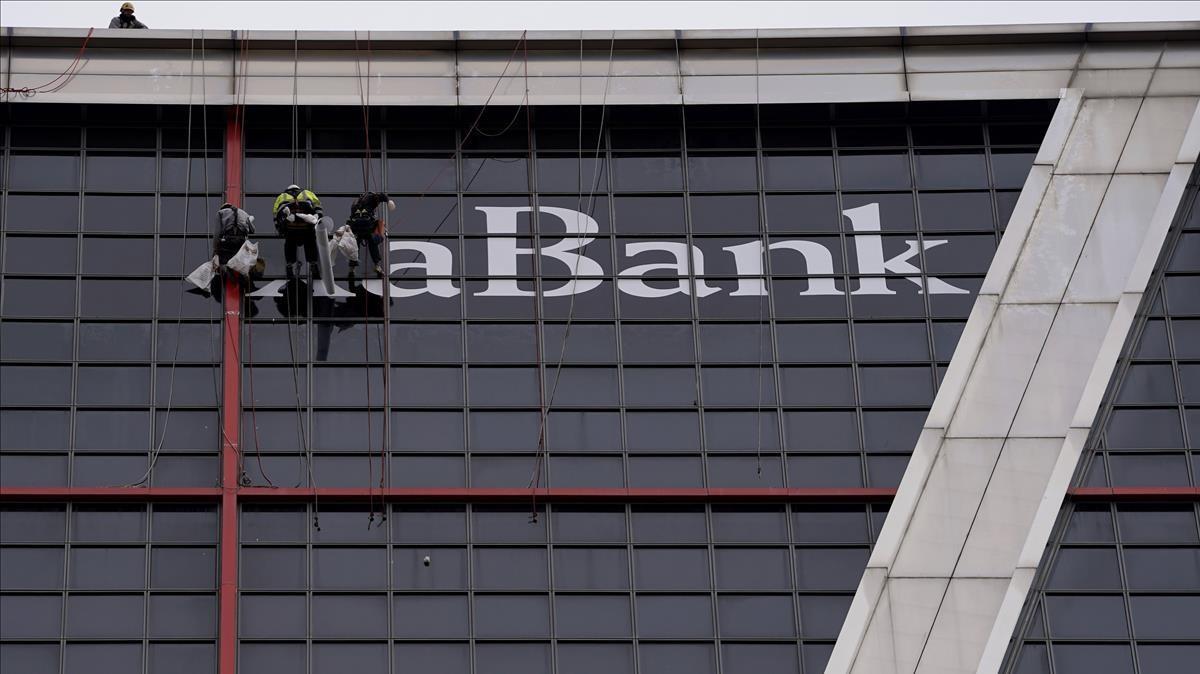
[(758, 417), (597, 171)]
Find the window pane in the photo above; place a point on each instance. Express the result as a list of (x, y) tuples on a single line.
[(753, 569), (1085, 569), (671, 568), (585, 658), (592, 616), (591, 568), (183, 658), (349, 616), (447, 568), (183, 616), (759, 658), (1171, 617), (85, 658), (756, 616), (430, 616), (449, 658), (273, 616), (510, 568), (1089, 658), (674, 616), (105, 616), (31, 616), (1086, 617), (334, 658), (512, 616), (267, 658), (696, 658), (349, 568), (107, 568), (830, 568)]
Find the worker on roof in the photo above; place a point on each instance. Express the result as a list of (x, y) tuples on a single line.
[(126, 19), (297, 212), (366, 227)]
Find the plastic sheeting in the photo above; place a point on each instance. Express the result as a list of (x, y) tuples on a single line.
[(343, 241), (245, 259), (202, 276)]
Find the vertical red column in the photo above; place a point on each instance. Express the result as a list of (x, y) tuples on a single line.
[(231, 415)]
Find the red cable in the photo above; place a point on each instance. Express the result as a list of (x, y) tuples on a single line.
[(69, 73)]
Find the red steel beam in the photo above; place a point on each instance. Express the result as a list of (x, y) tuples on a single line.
[(231, 415), (1134, 494)]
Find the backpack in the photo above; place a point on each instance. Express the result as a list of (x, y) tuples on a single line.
[(234, 222), (234, 226)]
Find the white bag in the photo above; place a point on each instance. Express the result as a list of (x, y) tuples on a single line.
[(343, 241), (203, 275), (245, 259)]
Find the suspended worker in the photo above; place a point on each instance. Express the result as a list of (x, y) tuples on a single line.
[(126, 19), (366, 227), (297, 212)]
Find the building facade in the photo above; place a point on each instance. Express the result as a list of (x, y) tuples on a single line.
[(787, 351)]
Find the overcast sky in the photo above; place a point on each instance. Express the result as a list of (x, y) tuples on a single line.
[(564, 14)]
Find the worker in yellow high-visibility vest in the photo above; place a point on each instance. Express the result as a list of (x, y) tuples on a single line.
[(297, 212)]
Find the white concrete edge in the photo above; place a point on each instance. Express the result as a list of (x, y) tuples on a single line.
[(1051, 502), (1055, 140), (1031, 554), (1084, 417), (1010, 610), (1190, 148), (1106, 361), (887, 545), (966, 353), (858, 619), (1019, 224), (1156, 231), (970, 343)]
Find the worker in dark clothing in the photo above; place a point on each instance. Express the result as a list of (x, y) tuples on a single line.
[(126, 19), (366, 227), (296, 214)]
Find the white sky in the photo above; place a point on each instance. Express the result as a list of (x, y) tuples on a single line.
[(565, 14)]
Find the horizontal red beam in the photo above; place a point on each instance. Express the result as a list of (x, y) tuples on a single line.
[(109, 493), (1134, 493), (591, 495)]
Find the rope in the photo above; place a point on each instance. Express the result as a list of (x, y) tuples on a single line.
[(239, 113), (535, 480), (187, 201), (212, 237), (64, 78), (306, 456), (312, 480), (475, 124), (537, 287), (295, 98), (758, 418)]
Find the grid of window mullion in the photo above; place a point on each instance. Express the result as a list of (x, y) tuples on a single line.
[(79, 235), (839, 194), (867, 467), (551, 542), (1048, 638), (1189, 438), (920, 238), (145, 590), (769, 321)]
